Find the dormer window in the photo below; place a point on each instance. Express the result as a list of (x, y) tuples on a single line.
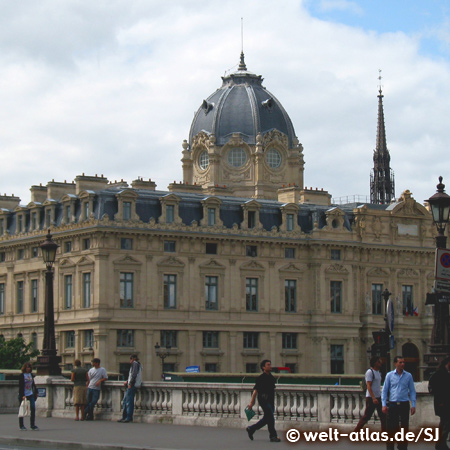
[(211, 212), (211, 216), (20, 223), (48, 217), (289, 222), (126, 210), (2, 227), (169, 209), (289, 214), (86, 210), (170, 213), (251, 215), (68, 208), (251, 219), (126, 205), (33, 220)]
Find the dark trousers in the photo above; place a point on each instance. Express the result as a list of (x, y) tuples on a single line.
[(128, 403), (444, 430), (397, 417), (268, 419), (32, 411), (92, 398), (370, 408)]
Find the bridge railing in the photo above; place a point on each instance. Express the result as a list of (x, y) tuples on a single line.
[(308, 407)]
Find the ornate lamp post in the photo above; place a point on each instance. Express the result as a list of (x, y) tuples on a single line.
[(48, 362), (440, 344), (440, 208), (163, 355)]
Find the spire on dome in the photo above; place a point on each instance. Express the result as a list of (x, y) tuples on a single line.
[(382, 186), (242, 65)]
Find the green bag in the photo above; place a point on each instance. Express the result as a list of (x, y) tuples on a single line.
[(249, 413)]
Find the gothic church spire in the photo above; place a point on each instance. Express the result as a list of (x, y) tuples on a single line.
[(382, 187)]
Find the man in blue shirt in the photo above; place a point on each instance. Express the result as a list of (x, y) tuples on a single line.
[(399, 387)]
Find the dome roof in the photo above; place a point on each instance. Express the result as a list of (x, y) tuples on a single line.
[(241, 105)]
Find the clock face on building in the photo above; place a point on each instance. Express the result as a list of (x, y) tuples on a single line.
[(273, 158), (203, 160), (237, 157)]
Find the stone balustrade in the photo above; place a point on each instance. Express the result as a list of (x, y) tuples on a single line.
[(212, 404)]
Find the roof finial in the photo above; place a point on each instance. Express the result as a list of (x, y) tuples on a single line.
[(242, 65), (379, 77), (242, 35)]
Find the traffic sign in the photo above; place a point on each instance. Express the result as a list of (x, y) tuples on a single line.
[(437, 297), (443, 264), (442, 286)]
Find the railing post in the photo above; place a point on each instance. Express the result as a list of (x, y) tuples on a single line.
[(324, 407), (177, 402)]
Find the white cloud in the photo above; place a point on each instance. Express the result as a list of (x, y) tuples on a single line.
[(111, 88), (340, 5)]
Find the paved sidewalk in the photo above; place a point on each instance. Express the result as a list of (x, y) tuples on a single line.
[(68, 434)]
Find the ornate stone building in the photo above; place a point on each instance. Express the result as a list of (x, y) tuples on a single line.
[(239, 262)]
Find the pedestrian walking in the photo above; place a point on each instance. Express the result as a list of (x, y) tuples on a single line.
[(96, 375), (399, 388), (80, 378), (439, 386), (134, 381), (264, 389), (373, 394), (28, 392)]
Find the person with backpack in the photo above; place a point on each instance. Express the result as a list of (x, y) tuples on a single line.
[(439, 387), (373, 394)]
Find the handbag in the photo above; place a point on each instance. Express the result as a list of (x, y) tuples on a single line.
[(249, 413), (24, 409)]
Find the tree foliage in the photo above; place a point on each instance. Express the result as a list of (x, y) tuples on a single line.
[(15, 353)]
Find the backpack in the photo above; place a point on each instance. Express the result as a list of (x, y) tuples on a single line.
[(363, 383)]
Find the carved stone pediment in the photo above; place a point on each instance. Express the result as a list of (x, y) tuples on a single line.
[(252, 265), (291, 267), (201, 140), (407, 206), (275, 137), (66, 262), (377, 272), (336, 268), (212, 264), (408, 273), (171, 261), (127, 259), (83, 261)]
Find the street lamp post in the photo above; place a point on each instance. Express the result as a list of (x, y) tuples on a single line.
[(48, 362), (163, 354), (386, 294), (440, 344)]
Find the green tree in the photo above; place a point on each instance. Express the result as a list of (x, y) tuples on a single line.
[(15, 353)]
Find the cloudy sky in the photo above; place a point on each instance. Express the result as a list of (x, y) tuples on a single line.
[(111, 87)]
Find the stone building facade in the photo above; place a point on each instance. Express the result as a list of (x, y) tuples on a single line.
[(225, 269)]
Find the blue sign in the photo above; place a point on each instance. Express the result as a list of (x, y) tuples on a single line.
[(42, 392), (193, 369), (392, 342)]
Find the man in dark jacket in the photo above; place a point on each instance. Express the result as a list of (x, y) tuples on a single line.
[(265, 390), (134, 381), (439, 386)]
